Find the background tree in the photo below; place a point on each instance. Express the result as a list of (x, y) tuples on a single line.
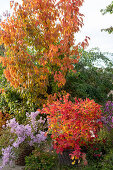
[(91, 81), (108, 9)]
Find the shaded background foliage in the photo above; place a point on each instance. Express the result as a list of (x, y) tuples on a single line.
[(91, 81)]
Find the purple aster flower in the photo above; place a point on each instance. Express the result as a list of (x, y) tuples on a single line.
[(28, 130), (41, 120), (15, 144), (31, 143), (34, 115), (108, 114), (12, 124), (1, 167), (24, 133), (19, 130), (27, 115), (7, 155)]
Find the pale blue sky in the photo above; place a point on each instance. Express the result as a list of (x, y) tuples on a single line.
[(94, 21)]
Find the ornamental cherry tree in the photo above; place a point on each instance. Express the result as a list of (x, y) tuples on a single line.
[(38, 37)]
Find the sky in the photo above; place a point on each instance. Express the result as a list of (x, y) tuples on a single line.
[(94, 21)]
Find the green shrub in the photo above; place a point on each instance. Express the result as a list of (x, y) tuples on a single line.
[(41, 160), (107, 163), (89, 83)]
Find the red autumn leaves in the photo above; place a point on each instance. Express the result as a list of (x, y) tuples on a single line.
[(70, 124)]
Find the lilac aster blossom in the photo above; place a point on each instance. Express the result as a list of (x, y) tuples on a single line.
[(28, 130), (33, 119), (8, 155), (20, 130), (35, 140), (20, 140), (11, 140), (27, 115), (12, 124), (37, 112), (34, 125), (31, 143), (107, 115), (41, 120), (34, 115), (28, 134), (41, 136), (15, 144), (32, 136)]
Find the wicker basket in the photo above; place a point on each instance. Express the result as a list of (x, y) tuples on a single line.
[(65, 159), (21, 158)]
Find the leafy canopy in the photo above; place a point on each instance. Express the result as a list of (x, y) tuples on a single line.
[(37, 38)]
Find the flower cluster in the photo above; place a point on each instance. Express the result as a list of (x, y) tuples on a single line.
[(30, 134), (107, 115), (8, 156), (72, 123)]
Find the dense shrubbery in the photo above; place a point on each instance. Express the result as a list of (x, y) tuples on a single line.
[(12, 102), (41, 160)]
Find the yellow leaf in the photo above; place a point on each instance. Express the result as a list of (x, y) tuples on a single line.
[(72, 157), (73, 162)]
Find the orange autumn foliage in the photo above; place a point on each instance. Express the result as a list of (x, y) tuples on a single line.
[(37, 38)]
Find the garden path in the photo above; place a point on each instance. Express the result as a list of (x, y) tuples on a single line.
[(13, 167)]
